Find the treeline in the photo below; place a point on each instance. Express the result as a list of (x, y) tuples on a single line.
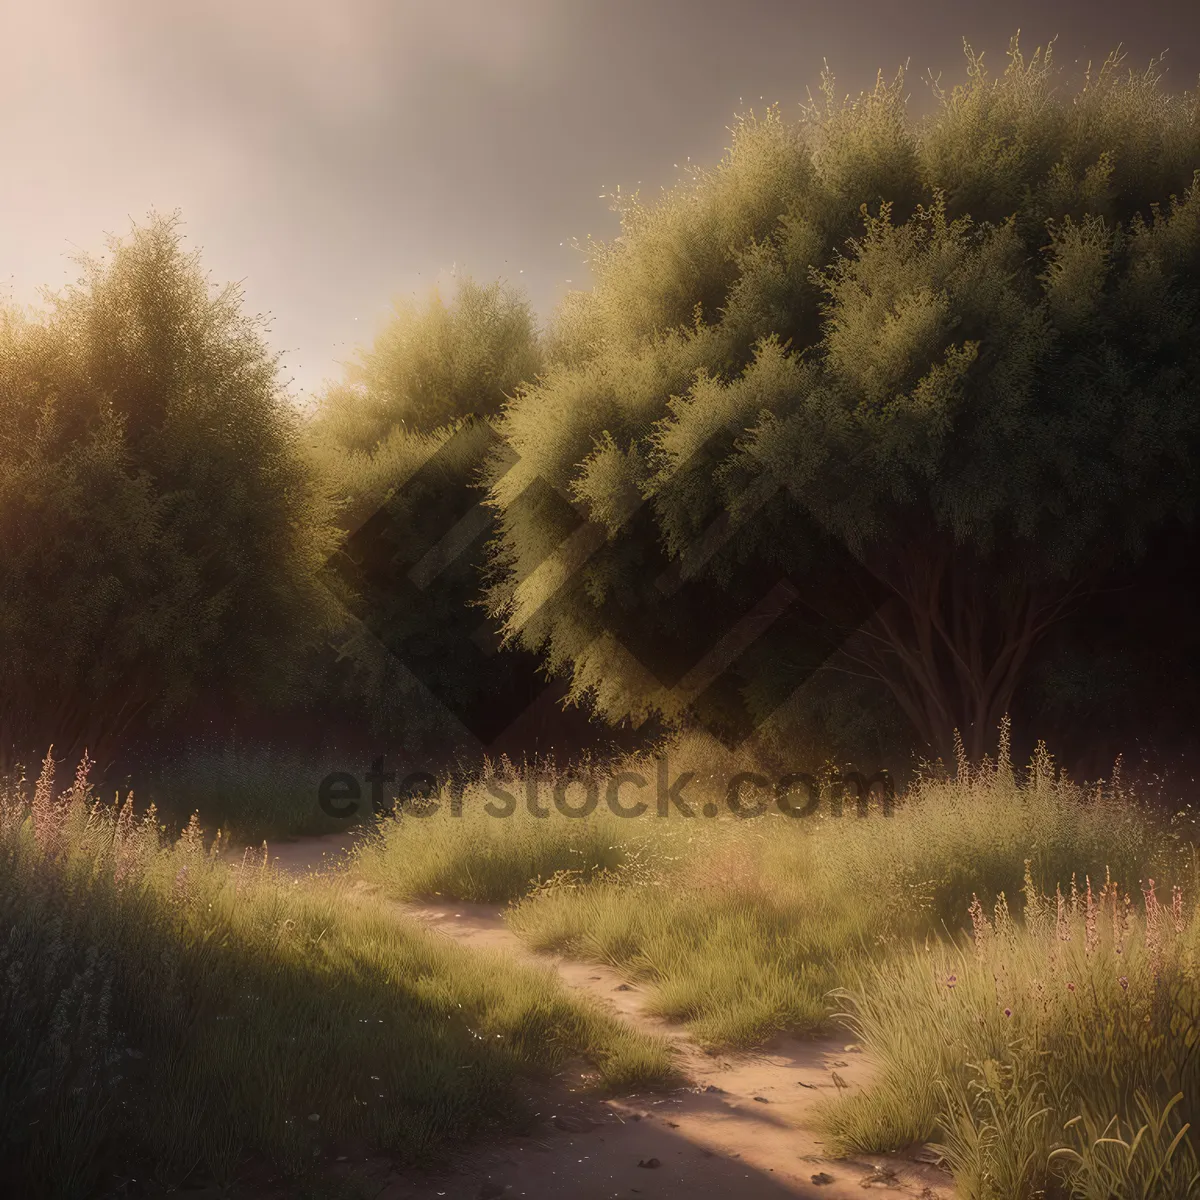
[(878, 430)]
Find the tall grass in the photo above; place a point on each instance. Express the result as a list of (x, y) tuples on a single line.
[(166, 1009), (482, 843), (1022, 1011), (1059, 1054), (744, 927), (250, 792)]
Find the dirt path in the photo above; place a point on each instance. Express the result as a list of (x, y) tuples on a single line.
[(742, 1127)]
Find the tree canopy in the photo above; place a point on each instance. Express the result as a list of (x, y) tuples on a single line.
[(432, 364), (402, 441), (161, 530), (916, 381)]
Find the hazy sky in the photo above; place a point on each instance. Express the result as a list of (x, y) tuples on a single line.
[(333, 155)]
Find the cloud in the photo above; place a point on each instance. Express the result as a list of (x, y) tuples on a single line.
[(340, 62)]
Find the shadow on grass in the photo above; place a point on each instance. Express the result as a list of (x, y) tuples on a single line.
[(165, 1009)]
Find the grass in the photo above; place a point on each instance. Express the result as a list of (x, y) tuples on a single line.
[(251, 793), (484, 859), (743, 927), (1057, 1053), (168, 1007), (1023, 1012), (168, 1010)]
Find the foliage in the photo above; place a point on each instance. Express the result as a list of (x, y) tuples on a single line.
[(1019, 1010), (402, 443), (742, 925), (250, 792), (161, 532), (482, 858), (1059, 1054), (432, 365), (932, 375)]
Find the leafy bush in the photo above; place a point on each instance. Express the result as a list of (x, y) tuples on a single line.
[(432, 365), (402, 442), (933, 378), (161, 531)]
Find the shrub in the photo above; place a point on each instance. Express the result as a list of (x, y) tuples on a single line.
[(161, 531)]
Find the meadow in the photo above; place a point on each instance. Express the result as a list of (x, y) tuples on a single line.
[(1028, 1015), (175, 1016), (1015, 952)]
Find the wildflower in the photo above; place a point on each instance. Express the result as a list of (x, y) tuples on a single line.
[(1070, 987), (1154, 921), (1062, 925), (1003, 919), (951, 980), (1008, 1012), (1036, 906), (123, 850), (962, 762), (980, 926), (192, 838), (1120, 919), (47, 816), (81, 790), (1091, 937)]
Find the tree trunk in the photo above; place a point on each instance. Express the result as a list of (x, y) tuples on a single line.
[(951, 642)]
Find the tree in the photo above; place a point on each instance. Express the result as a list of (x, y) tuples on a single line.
[(402, 441), (431, 365), (161, 531), (917, 383)]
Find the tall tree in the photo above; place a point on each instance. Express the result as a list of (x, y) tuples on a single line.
[(161, 530), (402, 441), (907, 384)]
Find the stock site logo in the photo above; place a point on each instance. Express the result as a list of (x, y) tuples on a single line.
[(736, 646)]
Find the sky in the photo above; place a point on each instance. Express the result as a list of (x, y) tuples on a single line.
[(332, 155)]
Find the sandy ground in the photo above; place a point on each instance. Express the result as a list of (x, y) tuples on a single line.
[(742, 1126)]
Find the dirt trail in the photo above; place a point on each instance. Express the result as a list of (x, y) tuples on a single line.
[(742, 1126)]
